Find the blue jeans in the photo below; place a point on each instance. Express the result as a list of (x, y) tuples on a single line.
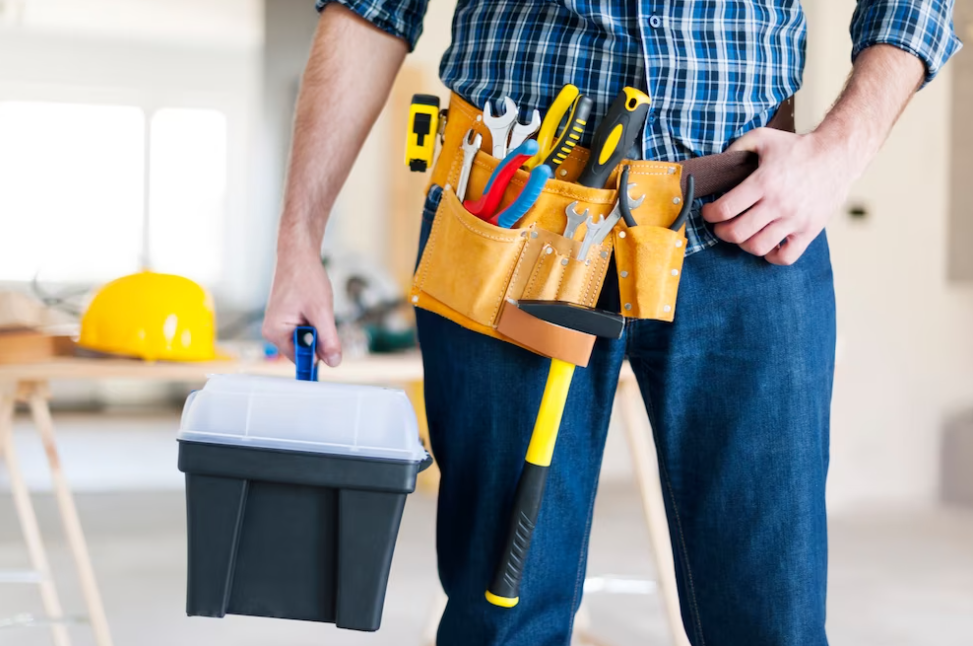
[(738, 391)]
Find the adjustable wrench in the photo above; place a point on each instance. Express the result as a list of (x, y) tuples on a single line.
[(469, 152), (501, 125), (524, 130)]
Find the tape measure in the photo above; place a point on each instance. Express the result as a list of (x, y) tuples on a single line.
[(420, 142)]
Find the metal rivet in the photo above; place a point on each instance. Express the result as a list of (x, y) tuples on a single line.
[(628, 306), (564, 262), (563, 173), (447, 188), (548, 250), (479, 117), (621, 234), (672, 170), (523, 234), (624, 274), (533, 234), (676, 200), (678, 243), (666, 308), (675, 272), (604, 254), (587, 263), (415, 299)]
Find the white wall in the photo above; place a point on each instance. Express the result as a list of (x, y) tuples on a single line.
[(905, 342), (152, 53)]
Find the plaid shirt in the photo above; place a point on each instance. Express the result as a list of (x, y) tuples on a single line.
[(714, 68)]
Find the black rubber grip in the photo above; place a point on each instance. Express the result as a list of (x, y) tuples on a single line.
[(523, 518), (628, 111)]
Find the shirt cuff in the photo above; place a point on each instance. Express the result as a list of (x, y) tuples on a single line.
[(924, 28), (400, 19)]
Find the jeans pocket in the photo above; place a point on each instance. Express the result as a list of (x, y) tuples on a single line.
[(429, 208)]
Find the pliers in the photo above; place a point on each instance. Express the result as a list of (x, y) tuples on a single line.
[(485, 208), (680, 220)]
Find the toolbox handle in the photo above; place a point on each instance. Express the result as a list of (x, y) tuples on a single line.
[(305, 352)]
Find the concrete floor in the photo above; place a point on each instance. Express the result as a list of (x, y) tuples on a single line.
[(896, 579)]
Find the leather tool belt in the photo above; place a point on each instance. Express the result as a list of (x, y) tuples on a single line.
[(470, 268)]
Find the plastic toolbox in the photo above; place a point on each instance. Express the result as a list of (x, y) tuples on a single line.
[(294, 493)]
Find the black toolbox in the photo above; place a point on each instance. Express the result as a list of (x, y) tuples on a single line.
[(294, 494)]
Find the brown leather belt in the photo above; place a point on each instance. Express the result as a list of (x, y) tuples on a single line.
[(721, 172), (713, 173)]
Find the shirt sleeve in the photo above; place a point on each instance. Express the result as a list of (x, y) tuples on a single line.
[(402, 18), (921, 27)]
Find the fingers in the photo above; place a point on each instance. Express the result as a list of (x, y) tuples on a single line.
[(329, 346), (766, 240), (752, 141), (742, 228), (736, 201), (789, 253), (281, 335)]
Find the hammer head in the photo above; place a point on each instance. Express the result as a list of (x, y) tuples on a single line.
[(576, 317)]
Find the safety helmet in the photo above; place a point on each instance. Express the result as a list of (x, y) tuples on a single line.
[(152, 316)]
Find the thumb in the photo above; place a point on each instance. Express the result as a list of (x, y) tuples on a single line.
[(329, 346), (750, 142)]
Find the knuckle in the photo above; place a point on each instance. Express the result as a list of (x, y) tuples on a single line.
[(724, 211), (735, 235)]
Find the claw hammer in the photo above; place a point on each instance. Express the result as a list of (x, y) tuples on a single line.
[(530, 323)]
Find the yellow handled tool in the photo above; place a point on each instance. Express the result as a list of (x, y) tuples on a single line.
[(548, 133), (571, 134), (504, 591)]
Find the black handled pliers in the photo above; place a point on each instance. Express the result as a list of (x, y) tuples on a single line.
[(687, 203)]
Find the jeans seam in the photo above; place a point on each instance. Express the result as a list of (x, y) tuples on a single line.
[(579, 580), (685, 555), (664, 473)]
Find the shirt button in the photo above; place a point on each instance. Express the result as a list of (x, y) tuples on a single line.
[(655, 22)]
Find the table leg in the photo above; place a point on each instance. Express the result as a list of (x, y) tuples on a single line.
[(647, 472), (28, 522), (582, 629), (41, 413), (435, 614)]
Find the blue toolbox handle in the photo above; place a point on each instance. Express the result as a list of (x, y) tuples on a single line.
[(305, 352)]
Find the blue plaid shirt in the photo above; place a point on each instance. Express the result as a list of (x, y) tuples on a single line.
[(714, 68)]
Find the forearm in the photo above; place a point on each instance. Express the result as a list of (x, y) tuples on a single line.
[(349, 74), (883, 81)]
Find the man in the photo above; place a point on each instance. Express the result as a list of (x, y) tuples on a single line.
[(737, 388)]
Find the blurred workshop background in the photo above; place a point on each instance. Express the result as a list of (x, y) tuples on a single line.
[(154, 133)]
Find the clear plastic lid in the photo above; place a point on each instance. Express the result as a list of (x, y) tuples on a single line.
[(291, 415)]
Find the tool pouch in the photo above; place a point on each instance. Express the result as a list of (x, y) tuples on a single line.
[(469, 268)]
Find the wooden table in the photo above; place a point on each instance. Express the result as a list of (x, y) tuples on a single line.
[(29, 384)]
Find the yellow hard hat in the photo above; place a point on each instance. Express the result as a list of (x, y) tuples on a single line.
[(152, 316)]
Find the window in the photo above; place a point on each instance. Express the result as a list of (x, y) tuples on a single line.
[(73, 194), (71, 190), (187, 192)]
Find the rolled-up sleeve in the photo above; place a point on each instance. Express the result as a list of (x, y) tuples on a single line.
[(402, 19), (921, 27)]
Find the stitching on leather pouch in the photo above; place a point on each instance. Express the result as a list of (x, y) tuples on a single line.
[(592, 278), (520, 262), (430, 245), (483, 234), (560, 280), (600, 279), (496, 309), (534, 273)]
